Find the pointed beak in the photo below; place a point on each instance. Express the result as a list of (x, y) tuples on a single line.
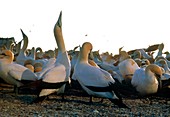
[(23, 34), (59, 22)]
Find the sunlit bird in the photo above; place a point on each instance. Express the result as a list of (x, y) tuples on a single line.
[(22, 56), (147, 80), (95, 81), (54, 79), (13, 73)]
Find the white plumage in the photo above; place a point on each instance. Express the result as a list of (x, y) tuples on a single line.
[(95, 81), (14, 73), (146, 80), (58, 73), (22, 57), (127, 66)]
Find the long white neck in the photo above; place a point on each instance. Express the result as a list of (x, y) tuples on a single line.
[(25, 39), (58, 34), (25, 45), (83, 55), (144, 54)]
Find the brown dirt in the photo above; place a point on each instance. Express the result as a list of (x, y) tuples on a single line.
[(76, 104)]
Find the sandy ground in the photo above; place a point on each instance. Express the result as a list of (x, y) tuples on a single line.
[(76, 104)]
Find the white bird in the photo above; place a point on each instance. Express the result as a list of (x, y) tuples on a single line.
[(105, 61), (39, 53), (54, 79), (22, 57), (95, 81), (32, 53), (73, 57), (160, 49), (161, 57), (136, 55), (166, 71), (39, 57), (127, 66), (147, 80), (146, 56), (13, 73), (162, 63), (167, 55)]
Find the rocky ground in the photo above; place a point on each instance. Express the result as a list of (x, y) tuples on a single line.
[(76, 104)]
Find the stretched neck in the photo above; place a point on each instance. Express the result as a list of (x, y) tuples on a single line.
[(24, 47), (59, 39), (32, 55), (59, 35), (144, 54), (159, 52), (123, 56)]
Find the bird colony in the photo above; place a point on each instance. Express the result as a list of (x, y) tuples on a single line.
[(136, 73)]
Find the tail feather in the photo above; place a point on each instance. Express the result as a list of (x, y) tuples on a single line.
[(33, 84), (46, 85), (124, 89), (119, 101)]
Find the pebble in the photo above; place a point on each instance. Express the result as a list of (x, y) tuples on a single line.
[(78, 108)]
